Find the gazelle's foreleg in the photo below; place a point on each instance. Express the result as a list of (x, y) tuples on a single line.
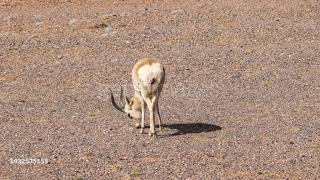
[(143, 109)]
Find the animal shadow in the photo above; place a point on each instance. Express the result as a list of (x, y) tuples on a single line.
[(192, 128)]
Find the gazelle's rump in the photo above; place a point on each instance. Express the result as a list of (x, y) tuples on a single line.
[(147, 74)]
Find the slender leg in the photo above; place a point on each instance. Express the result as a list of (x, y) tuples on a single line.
[(142, 115), (151, 106), (158, 114), (152, 131)]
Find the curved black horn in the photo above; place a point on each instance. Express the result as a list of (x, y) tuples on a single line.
[(121, 96), (114, 103)]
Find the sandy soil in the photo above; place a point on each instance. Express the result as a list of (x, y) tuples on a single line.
[(241, 100)]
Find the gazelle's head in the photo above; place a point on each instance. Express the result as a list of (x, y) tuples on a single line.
[(130, 106), (133, 107)]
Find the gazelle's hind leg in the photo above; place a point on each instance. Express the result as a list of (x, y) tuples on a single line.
[(143, 108), (151, 106), (158, 115)]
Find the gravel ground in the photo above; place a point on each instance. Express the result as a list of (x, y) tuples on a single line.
[(241, 99)]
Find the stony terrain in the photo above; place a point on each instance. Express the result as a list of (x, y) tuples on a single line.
[(241, 100)]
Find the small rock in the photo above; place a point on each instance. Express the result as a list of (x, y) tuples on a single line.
[(72, 21), (108, 29), (39, 23), (210, 155), (123, 14), (101, 25), (177, 11)]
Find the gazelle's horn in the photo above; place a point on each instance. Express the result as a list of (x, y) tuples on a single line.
[(122, 100), (121, 107)]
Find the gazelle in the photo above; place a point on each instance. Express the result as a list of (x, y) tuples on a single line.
[(148, 77)]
